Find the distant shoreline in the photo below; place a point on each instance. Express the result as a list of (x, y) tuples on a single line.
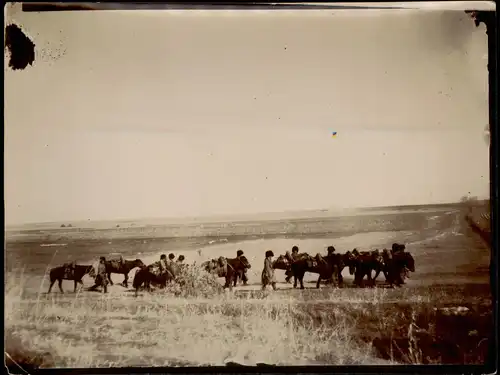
[(265, 216)]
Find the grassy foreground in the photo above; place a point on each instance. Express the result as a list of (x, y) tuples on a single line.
[(208, 327)]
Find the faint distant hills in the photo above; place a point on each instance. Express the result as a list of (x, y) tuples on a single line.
[(126, 224)]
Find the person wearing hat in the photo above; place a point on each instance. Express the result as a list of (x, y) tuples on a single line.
[(268, 271), (242, 274), (101, 278), (398, 248), (180, 259), (330, 250)]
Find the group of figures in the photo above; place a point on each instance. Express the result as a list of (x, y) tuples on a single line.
[(164, 268), (394, 263)]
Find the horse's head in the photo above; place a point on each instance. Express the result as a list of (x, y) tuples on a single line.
[(409, 261), (222, 262), (244, 262), (349, 260), (139, 263), (386, 254), (398, 247)]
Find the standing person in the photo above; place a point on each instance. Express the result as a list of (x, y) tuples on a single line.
[(171, 258), (268, 271), (101, 278), (171, 266), (397, 250), (163, 264), (293, 257), (243, 274), (330, 250), (180, 262)]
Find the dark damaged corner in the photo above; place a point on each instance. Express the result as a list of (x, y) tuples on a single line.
[(481, 16), (21, 48)]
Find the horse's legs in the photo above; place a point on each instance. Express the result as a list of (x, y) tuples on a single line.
[(125, 281), (371, 281), (301, 279), (50, 287), (76, 284), (318, 282), (109, 278), (59, 282)]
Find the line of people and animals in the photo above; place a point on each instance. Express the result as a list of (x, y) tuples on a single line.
[(394, 263)]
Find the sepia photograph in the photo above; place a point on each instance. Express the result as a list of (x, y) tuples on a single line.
[(217, 187)]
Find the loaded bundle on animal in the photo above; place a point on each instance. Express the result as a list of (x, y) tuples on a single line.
[(327, 267), (69, 271), (286, 262), (397, 264), (158, 274), (229, 268)]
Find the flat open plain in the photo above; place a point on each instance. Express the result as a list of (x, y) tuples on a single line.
[(442, 315)]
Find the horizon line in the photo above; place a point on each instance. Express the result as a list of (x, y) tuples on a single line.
[(220, 215)]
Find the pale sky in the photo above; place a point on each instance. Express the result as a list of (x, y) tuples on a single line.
[(186, 113)]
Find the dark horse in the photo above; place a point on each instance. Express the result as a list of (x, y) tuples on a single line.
[(150, 275), (346, 260), (68, 272), (395, 266), (327, 268), (366, 262), (229, 268), (115, 266)]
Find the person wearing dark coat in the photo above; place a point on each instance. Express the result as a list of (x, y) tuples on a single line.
[(101, 278), (163, 264), (330, 250), (268, 277), (294, 257), (243, 274)]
